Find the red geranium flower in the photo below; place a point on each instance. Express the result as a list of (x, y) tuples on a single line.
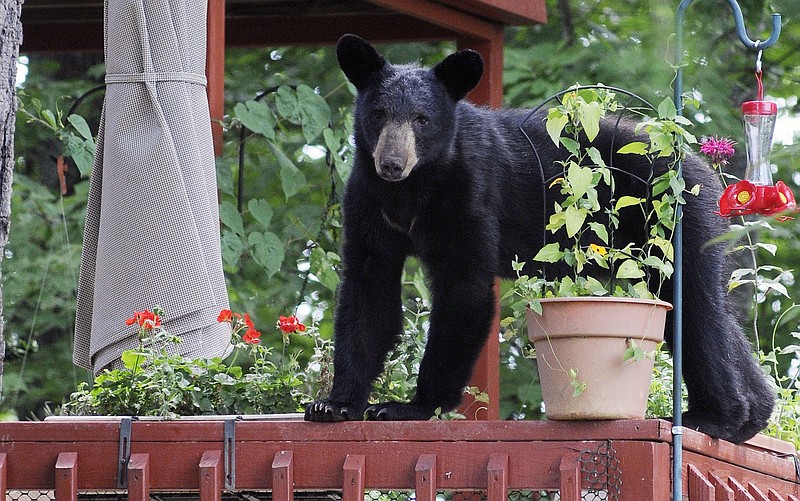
[(144, 319), (251, 336), (225, 316), (290, 324)]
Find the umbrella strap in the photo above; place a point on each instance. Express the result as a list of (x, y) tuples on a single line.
[(176, 76)]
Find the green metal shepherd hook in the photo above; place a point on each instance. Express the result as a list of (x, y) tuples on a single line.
[(677, 430)]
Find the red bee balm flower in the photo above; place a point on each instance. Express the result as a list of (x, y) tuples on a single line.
[(745, 198), (290, 324), (718, 151)]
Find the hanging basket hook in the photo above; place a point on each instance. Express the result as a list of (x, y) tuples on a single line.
[(740, 28)]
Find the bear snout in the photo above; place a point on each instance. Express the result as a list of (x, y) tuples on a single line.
[(396, 152)]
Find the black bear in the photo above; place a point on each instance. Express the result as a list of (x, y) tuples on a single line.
[(452, 183)]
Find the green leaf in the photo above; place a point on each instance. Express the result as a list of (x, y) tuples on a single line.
[(230, 217), (261, 211), (629, 269), (580, 179), (256, 116), (666, 109), (575, 218), (232, 247), (571, 145), (267, 250), (292, 178), (81, 126), (600, 230), (323, 267), (594, 154), (589, 116), (555, 123), (628, 201), (550, 253), (132, 359), (303, 107), (635, 147), (50, 119)]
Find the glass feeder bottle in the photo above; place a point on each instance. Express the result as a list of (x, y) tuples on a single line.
[(759, 125)]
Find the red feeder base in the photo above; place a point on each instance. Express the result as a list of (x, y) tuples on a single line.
[(745, 198)]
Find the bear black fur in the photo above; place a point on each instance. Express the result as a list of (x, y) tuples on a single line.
[(458, 186)]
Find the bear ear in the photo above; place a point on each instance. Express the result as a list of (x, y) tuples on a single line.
[(359, 60), (460, 72)]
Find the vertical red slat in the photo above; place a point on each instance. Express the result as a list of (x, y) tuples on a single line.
[(739, 492), (211, 476), (139, 477), (283, 476), (721, 490), (3, 475), (354, 475), (67, 476), (700, 489), (570, 470), (756, 492), (774, 496), (425, 485), (497, 470)]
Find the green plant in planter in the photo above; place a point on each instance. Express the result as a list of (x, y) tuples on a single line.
[(596, 266), (156, 382), (585, 256)]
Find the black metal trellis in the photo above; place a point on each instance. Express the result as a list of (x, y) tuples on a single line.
[(545, 181)]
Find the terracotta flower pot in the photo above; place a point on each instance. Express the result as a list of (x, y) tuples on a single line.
[(580, 346)]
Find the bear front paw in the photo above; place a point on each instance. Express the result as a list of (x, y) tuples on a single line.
[(326, 411), (396, 411)]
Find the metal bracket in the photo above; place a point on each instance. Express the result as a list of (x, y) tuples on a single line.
[(229, 453), (124, 452)]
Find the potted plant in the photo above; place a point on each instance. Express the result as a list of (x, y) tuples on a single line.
[(603, 292)]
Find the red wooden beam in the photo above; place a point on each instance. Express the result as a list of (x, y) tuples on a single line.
[(511, 12), (722, 491), (211, 476), (700, 489), (441, 15), (3, 475), (739, 492), (283, 476), (67, 476)]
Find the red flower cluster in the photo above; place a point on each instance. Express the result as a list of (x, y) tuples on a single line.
[(146, 320), (238, 323), (290, 324), (745, 198)]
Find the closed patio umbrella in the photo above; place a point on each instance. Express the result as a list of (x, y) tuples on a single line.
[(152, 230)]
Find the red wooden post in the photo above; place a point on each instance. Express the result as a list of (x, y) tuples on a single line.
[(739, 492), (497, 470), (3, 475), (67, 476), (354, 476), (425, 484), (489, 91), (215, 69), (700, 489), (283, 476), (139, 477), (211, 476), (570, 470)]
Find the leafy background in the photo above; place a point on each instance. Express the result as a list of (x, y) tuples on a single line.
[(280, 220)]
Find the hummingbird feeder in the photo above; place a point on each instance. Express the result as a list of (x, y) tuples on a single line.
[(756, 194)]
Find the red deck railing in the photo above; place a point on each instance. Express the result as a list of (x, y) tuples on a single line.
[(209, 457)]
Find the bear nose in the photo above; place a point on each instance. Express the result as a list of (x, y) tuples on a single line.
[(392, 168)]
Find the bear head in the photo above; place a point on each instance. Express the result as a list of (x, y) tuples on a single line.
[(405, 115)]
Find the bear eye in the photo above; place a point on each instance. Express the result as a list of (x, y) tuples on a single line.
[(421, 120), (378, 115)]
